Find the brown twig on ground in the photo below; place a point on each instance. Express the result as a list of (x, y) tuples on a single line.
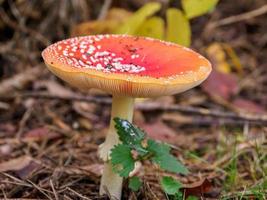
[(237, 18), (23, 121), (53, 189), (78, 194), (100, 100), (16, 180), (43, 191), (20, 80), (202, 111), (104, 9), (149, 106)]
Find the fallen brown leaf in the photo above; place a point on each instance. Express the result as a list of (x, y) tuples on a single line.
[(86, 110), (41, 133), (24, 172), (159, 131), (54, 88), (244, 105), (19, 81), (96, 168), (85, 123), (15, 164), (220, 85), (199, 189), (177, 118)]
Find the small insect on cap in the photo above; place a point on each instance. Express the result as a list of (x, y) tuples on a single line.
[(126, 65)]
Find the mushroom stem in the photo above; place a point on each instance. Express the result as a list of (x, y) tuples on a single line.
[(122, 107)]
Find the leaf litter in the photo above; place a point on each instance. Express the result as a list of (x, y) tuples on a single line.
[(57, 146)]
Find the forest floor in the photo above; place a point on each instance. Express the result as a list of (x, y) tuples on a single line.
[(50, 132)]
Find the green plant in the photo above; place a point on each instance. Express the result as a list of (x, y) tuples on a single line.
[(135, 146), (232, 172)]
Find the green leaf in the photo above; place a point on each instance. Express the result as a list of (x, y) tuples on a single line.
[(152, 27), (178, 27), (162, 157), (130, 134), (122, 160), (134, 22), (194, 8), (178, 196), (135, 183), (169, 185), (192, 198)]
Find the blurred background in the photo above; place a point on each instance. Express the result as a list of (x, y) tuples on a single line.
[(49, 132)]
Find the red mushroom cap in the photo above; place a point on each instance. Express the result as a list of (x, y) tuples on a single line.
[(126, 65)]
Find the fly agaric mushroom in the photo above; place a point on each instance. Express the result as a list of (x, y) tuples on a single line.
[(126, 67)]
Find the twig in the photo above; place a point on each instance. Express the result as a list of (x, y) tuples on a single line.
[(148, 106), (40, 189), (147, 185), (53, 188), (202, 111), (78, 194), (4, 193), (23, 121), (100, 100), (20, 80), (104, 9), (237, 18), (67, 197), (17, 181)]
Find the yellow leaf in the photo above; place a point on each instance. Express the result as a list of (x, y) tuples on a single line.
[(152, 27), (194, 8), (136, 20), (115, 17), (178, 27), (94, 27), (118, 14), (216, 53), (235, 61)]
